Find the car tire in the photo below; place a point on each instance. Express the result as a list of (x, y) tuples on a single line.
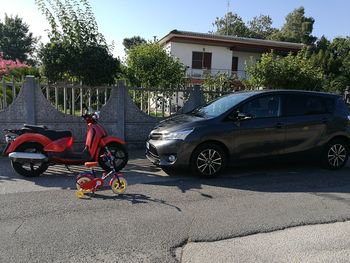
[(208, 160), (335, 154)]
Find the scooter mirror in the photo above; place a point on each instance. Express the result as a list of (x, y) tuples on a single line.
[(96, 115)]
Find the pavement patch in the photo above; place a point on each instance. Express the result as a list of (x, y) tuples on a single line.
[(313, 243)]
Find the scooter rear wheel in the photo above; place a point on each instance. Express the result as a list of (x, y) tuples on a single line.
[(120, 154), (27, 168)]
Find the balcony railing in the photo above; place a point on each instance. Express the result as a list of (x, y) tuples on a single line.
[(201, 73)]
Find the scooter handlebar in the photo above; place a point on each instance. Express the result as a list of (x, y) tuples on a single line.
[(90, 118)]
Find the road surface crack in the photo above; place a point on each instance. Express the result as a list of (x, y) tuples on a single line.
[(17, 228), (177, 251)]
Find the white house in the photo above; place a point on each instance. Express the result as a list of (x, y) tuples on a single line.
[(210, 53)]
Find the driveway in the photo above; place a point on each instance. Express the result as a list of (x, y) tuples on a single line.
[(41, 220)]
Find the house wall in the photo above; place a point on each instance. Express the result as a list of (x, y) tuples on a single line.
[(244, 57), (221, 56)]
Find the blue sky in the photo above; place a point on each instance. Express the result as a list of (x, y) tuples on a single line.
[(118, 19)]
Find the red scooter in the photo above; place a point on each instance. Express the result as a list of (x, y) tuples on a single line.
[(33, 149)]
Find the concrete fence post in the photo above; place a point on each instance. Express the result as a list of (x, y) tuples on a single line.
[(121, 98), (198, 96), (29, 92), (196, 99)]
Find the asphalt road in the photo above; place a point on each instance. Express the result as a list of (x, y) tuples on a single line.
[(41, 220), (311, 244)]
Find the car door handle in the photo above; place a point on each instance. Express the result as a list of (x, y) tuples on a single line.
[(279, 125)]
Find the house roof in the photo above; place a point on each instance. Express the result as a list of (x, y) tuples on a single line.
[(232, 42)]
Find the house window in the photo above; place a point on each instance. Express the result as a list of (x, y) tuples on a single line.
[(201, 60)]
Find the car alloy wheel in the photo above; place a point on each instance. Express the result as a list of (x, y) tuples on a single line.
[(337, 155), (208, 160)]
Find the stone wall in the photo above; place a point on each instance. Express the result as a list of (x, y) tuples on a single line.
[(120, 116)]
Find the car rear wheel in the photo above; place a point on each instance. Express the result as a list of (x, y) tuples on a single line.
[(208, 160), (335, 154)]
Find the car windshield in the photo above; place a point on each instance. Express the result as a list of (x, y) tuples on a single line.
[(220, 105)]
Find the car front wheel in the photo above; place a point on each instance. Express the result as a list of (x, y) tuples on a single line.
[(208, 160)]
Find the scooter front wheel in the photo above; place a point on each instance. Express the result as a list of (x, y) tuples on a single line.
[(120, 154), (119, 186)]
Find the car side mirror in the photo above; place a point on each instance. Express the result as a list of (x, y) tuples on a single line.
[(243, 116), (239, 116)]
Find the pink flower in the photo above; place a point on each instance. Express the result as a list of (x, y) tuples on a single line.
[(6, 65)]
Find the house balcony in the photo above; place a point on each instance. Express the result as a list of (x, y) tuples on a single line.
[(200, 74)]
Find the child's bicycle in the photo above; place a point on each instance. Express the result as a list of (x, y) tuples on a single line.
[(87, 182)]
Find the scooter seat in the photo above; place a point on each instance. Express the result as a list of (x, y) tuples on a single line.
[(51, 134), (35, 127), (55, 135)]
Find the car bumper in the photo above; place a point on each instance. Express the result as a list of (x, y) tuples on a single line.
[(159, 151)]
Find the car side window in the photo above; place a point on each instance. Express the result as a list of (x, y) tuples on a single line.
[(299, 104), (263, 107)]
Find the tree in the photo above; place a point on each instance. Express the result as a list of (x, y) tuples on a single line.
[(290, 72), (297, 28), (16, 42), (76, 51), (151, 66), (129, 43), (322, 44), (231, 25), (336, 64), (261, 27)]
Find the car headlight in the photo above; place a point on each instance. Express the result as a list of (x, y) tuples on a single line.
[(179, 135)]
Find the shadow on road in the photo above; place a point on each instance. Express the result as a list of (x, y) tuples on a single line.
[(272, 177), (266, 177), (59, 176), (133, 199)]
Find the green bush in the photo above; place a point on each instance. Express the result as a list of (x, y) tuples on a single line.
[(289, 72)]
